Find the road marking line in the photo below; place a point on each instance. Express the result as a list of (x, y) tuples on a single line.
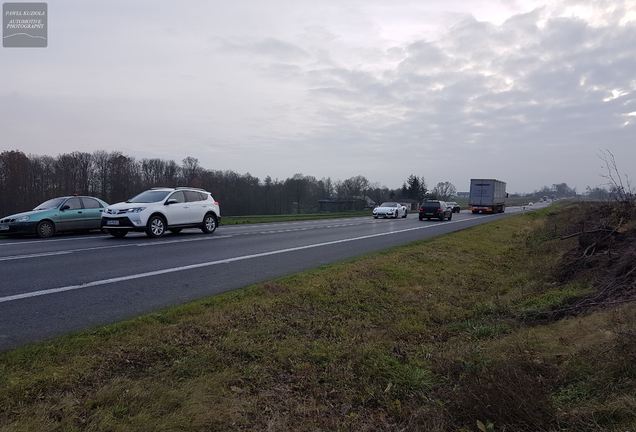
[(36, 255), (51, 240), (70, 251), (181, 240), (217, 262)]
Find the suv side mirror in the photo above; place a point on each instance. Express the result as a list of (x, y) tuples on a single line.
[(171, 201), (65, 207)]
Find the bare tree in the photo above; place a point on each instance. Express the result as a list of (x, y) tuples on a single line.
[(354, 187), (378, 193), (444, 190), (191, 171), (619, 184)]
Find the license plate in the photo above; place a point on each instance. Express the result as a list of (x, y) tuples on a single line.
[(112, 222), (4, 227)]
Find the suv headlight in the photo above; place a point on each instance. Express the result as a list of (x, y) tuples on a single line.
[(23, 219), (136, 209)]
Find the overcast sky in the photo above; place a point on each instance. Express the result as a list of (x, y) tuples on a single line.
[(524, 91)]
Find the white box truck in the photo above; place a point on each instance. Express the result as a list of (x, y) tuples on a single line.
[(487, 196)]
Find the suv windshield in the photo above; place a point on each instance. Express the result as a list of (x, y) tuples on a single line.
[(389, 204), (149, 196), (50, 204)]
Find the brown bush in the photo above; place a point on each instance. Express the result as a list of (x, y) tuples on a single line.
[(604, 254), (512, 393)]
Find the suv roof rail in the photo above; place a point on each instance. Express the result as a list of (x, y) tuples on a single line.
[(193, 188)]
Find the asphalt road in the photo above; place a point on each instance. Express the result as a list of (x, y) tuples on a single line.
[(64, 284)]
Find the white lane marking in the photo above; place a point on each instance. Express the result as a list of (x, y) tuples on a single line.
[(305, 222), (70, 251), (37, 255), (153, 243), (50, 240), (213, 263), (307, 228)]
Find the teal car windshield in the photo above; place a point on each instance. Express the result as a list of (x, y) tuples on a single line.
[(50, 204)]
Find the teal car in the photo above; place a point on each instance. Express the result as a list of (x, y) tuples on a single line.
[(70, 213)]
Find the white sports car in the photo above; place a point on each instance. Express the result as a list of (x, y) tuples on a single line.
[(390, 209)]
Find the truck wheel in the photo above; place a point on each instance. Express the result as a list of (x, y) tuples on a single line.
[(450, 216)]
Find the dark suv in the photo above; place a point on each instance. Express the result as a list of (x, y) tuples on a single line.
[(435, 209)]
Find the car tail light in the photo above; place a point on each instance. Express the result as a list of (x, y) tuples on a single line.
[(216, 203), (421, 209)]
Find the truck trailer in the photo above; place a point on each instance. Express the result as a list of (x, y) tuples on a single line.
[(487, 196)]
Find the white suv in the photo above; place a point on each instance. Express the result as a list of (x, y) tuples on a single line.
[(158, 210)]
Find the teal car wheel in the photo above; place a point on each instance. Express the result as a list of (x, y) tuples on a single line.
[(45, 229)]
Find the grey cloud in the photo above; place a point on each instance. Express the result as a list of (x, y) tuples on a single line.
[(544, 105), (268, 47)]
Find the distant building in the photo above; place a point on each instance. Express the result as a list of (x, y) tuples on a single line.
[(410, 204)]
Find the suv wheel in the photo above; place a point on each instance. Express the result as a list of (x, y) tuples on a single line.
[(45, 229), (209, 224), (156, 226)]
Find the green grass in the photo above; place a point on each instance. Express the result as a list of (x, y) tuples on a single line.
[(429, 336), (233, 220)]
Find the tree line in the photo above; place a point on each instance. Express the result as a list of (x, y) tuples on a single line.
[(27, 180)]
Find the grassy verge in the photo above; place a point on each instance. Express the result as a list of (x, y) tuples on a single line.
[(234, 220), (433, 336)]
